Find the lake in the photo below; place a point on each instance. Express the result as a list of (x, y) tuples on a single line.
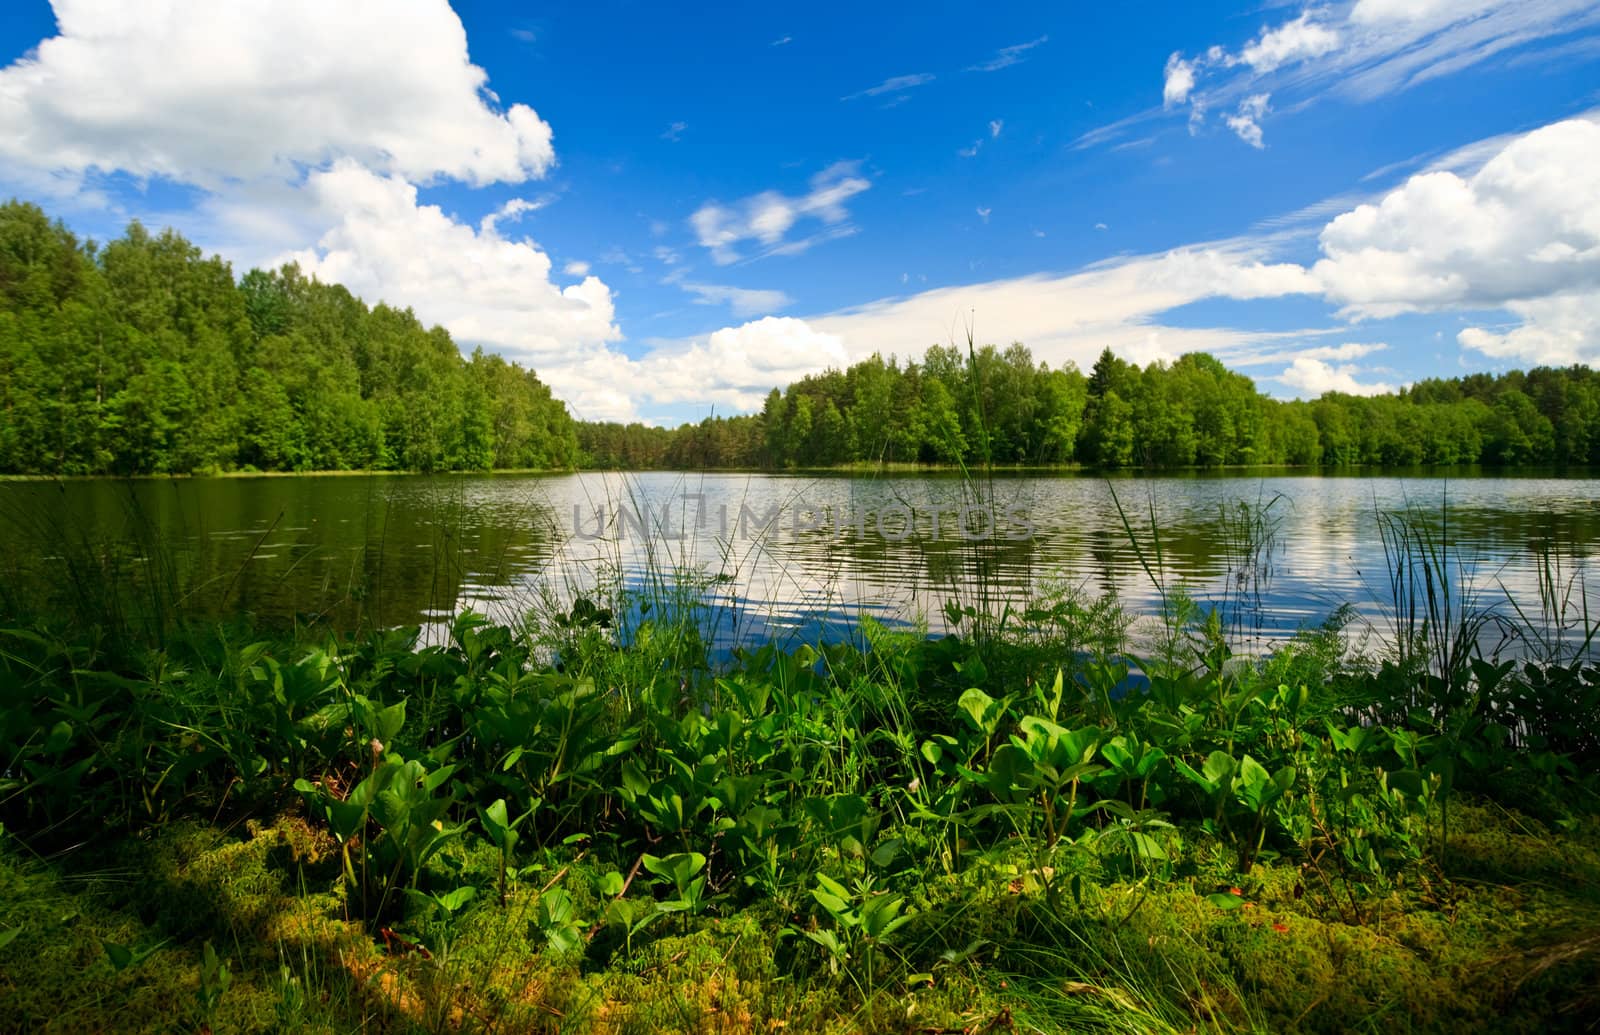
[(798, 555)]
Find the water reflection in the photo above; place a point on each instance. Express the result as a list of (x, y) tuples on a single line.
[(792, 555)]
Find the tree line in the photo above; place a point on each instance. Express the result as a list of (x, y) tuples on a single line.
[(988, 405), (142, 356)]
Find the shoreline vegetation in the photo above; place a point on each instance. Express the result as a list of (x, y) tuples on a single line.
[(143, 356), (1054, 818), (867, 467)]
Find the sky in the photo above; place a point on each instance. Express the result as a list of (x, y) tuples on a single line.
[(666, 214)]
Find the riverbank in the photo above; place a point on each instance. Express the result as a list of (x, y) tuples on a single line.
[(531, 829)]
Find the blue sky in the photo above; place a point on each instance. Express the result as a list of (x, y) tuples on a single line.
[(666, 213)]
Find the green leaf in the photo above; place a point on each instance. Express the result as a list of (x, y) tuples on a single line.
[(981, 710)]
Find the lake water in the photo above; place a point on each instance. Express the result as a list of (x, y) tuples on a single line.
[(798, 555)]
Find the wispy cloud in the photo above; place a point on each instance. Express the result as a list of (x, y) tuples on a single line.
[(674, 132), (1005, 57), (781, 41), (741, 301), (1364, 52), (894, 84), (512, 211), (768, 217)]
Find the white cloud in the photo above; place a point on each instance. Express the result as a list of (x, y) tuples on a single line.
[(1524, 227), (1292, 41), (1073, 316), (1520, 233), (1386, 12), (1365, 51), (983, 213), (742, 301), (575, 268), (486, 290), (1557, 330), (767, 217), (971, 152), (1179, 80), (1312, 377), (995, 126), (210, 93), (1061, 318), (1247, 121), (1345, 352), (1005, 57), (674, 132), (512, 210), (894, 84), (737, 366)]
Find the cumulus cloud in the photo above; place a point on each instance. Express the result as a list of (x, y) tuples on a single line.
[(1292, 41), (1522, 233), (208, 93), (482, 287), (1313, 377), (1556, 331), (768, 217), (1179, 81), (1246, 122), (736, 366)]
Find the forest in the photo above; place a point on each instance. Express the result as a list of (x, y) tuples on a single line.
[(987, 405), (143, 356)]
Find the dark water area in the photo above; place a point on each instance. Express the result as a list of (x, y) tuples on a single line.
[(797, 555)]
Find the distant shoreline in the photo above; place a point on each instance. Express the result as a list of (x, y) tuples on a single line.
[(860, 468)]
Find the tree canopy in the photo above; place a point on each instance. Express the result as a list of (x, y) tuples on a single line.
[(144, 356), (1000, 406)]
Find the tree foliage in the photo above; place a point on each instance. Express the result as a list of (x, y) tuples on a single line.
[(998, 405), (144, 356)]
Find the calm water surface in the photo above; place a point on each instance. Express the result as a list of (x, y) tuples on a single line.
[(797, 555)]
